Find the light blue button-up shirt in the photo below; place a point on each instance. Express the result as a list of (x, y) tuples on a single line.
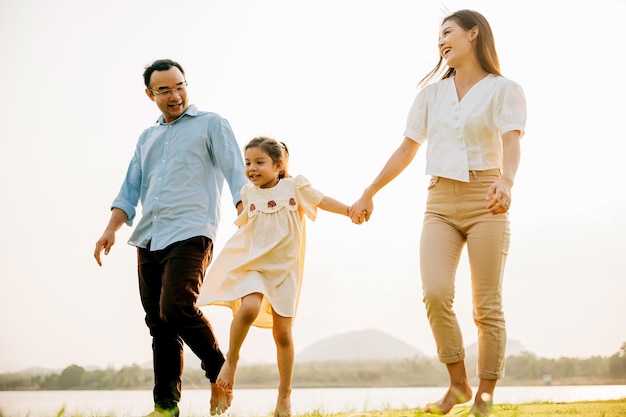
[(177, 173)]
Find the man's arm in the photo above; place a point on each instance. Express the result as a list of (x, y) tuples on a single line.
[(107, 240), (228, 159)]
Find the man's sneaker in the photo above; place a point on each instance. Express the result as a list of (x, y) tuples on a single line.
[(159, 412)]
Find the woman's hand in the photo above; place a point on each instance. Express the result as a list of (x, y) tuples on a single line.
[(499, 197)]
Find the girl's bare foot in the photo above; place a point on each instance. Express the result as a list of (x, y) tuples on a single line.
[(220, 399), (454, 396), (226, 377), (283, 405)]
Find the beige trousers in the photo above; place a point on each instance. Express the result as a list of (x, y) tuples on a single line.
[(456, 215)]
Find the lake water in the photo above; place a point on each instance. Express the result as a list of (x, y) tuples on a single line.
[(260, 402)]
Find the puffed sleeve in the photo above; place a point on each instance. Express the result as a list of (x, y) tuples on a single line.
[(417, 119), (308, 197), (511, 114), (243, 217)]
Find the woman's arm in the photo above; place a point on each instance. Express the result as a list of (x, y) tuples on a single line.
[(399, 160), (499, 194), (511, 155)]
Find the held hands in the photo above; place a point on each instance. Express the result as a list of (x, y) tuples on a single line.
[(499, 196), (358, 217), (361, 210)]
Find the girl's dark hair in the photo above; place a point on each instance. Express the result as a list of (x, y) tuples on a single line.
[(276, 150), (159, 65), (485, 45)]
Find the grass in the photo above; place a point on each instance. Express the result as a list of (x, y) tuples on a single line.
[(609, 408)]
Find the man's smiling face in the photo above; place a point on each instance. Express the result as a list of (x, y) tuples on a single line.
[(167, 90)]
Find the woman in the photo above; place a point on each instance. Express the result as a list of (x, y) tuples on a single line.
[(473, 119)]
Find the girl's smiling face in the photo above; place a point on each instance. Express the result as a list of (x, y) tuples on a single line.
[(260, 169)]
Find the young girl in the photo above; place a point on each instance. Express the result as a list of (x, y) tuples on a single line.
[(259, 272)]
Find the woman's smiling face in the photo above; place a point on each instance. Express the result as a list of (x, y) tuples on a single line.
[(455, 42)]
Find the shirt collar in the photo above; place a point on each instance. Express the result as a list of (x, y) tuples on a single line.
[(192, 110)]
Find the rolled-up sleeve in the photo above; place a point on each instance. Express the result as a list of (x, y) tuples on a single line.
[(128, 196)]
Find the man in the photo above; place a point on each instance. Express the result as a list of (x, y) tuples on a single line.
[(177, 173)]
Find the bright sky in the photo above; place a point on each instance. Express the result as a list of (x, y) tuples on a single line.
[(334, 80)]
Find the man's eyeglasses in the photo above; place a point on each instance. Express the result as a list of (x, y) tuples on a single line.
[(180, 90)]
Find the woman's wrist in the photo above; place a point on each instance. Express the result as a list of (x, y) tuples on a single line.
[(507, 180), (369, 192)]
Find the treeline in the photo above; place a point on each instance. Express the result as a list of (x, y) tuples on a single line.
[(523, 369)]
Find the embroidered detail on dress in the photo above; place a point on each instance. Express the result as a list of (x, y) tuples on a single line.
[(271, 204), (292, 201), (252, 207)]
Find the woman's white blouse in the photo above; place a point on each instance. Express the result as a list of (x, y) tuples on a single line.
[(467, 135)]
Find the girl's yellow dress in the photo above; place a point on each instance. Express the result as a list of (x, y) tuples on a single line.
[(266, 253)]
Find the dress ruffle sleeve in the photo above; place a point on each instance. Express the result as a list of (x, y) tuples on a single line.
[(308, 197)]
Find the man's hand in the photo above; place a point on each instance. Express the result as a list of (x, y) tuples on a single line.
[(106, 241)]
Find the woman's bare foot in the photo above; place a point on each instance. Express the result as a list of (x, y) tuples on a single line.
[(283, 405), (220, 399), (226, 377), (454, 396), (482, 405)]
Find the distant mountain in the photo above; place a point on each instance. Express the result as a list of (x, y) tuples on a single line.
[(39, 371), (358, 345), (355, 345)]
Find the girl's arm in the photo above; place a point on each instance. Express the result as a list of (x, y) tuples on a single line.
[(334, 206)]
